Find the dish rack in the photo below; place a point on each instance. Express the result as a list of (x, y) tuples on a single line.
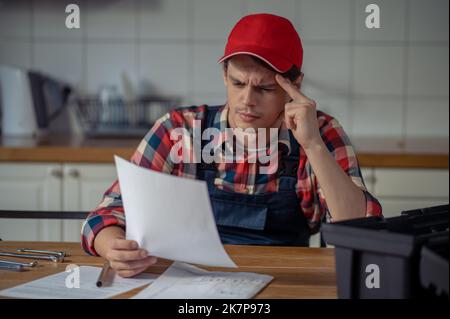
[(121, 118)]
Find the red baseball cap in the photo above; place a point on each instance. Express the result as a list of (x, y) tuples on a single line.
[(268, 37)]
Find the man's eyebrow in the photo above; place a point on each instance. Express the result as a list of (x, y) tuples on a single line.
[(262, 85), (234, 79), (267, 85)]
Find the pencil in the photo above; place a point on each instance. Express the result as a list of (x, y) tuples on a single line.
[(102, 277)]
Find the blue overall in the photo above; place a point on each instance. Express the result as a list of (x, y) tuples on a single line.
[(261, 219)]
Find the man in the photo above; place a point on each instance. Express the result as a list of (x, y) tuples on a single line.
[(317, 177)]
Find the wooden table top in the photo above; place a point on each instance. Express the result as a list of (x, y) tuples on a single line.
[(298, 272), (371, 152)]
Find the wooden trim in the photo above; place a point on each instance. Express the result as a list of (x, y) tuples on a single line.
[(63, 154), (404, 160)]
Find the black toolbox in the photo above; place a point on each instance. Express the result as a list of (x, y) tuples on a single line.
[(380, 257), (434, 268)]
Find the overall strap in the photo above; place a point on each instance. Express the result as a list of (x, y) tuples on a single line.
[(210, 115), (288, 166), (289, 162)]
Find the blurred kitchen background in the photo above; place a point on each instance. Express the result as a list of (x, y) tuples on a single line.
[(392, 82), (388, 87)]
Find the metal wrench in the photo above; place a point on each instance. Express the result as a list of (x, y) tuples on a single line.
[(53, 258), (48, 252), (16, 266)]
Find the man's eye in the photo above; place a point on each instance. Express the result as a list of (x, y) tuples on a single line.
[(238, 83), (267, 90)]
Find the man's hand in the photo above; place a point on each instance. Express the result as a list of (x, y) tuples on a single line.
[(124, 256), (127, 259), (300, 115), (345, 200)]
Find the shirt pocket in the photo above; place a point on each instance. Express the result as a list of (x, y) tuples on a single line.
[(232, 214)]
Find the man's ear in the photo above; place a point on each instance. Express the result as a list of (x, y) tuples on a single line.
[(225, 73)]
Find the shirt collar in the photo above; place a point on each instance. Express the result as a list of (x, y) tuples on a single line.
[(221, 122)]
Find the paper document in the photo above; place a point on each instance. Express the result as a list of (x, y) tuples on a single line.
[(181, 281), (64, 285), (170, 216)]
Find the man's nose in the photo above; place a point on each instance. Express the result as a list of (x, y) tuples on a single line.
[(249, 96)]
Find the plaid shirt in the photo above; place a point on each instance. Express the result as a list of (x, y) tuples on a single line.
[(243, 177)]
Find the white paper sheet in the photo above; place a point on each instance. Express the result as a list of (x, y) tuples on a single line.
[(183, 281), (170, 216), (56, 287)]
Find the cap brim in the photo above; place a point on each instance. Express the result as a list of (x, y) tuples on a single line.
[(278, 63)]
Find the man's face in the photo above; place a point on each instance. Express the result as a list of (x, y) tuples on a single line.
[(255, 99)]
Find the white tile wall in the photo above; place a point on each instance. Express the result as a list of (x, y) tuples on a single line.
[(284, 8), (62, 60), (325, 19), (168, 19), (374, 117), (337, 106), (356, 74), (208, 74), (111, 19), (392, 21), (214, 19), (109, 63), (15, 18), (17, 53), (165, 66), (378, 70), (427, 117), (325, 67), (428, 70), (49, 20), (428, 20)]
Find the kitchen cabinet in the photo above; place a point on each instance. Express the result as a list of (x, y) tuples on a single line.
[(80, 187), (30, 187), (83, 188), (404, 189), (52, 187), (400, 189)]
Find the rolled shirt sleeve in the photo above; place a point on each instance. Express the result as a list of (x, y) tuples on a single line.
[(152, 153), (338, 144)]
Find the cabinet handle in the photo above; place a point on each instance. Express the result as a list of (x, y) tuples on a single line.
[(56, 173), (74, 173)]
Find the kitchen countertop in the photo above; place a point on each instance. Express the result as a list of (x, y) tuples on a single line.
[(372, 152)]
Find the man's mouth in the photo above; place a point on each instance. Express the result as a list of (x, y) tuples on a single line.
[(248, 117)]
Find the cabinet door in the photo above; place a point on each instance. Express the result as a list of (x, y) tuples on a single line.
[(394, 206), (429, 183), (83, 189), (30, 187), (404, 189)]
